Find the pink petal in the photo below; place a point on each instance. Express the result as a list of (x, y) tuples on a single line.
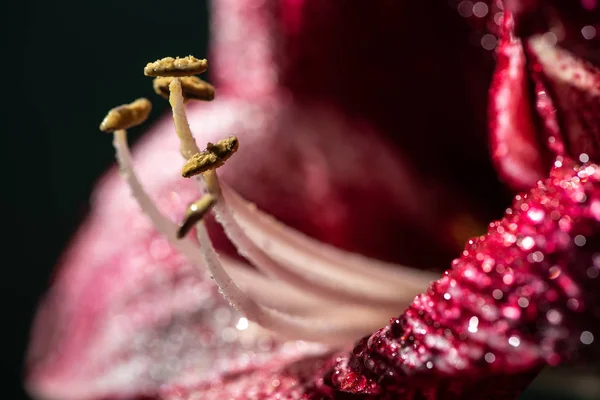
[(288, 377)]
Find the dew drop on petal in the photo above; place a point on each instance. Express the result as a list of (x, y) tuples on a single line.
[(497, 294), (580, 240), (490, 357), (527, 243), (489, 41), (523, 302), (588, 32), (586, 337), (514, 341), (554, 316), (465, 9), (480, 9), (536, 215), (242, 324), (511, 312)]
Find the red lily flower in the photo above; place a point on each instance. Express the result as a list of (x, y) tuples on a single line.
[(343, 161)]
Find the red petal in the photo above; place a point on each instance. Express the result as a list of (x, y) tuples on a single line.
[(569, 89), (514, 140), (410, 79), (518, 298), (544, 98)]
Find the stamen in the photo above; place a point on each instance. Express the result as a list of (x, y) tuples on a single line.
[(370, 299), (170, 66), (187, 145), (310, 271), (213, 157), (194, 214), (284, 243), (126, 115), (193, 88), (336, 332), (343, 331), (336, 286)]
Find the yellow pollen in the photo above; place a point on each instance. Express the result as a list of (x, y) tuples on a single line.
[(126, 115), (170, 66), (192, 87), (213, 157), (194, 214)]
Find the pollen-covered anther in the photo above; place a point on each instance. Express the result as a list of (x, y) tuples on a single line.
[(192, 88), (213, 157), (194, 214), (126, 115), (170, 66)]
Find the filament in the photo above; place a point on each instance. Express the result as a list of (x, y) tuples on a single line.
[(335, 331), (301, 289)]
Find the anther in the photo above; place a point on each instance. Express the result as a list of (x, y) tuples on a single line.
[(194, 214), (170, 66), (192, 87), (126, 115), (213, 157)]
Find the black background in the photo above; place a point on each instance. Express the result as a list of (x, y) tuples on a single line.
[(64, 64)]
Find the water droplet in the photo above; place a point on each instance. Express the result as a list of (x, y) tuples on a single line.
[(584, 157), (593, 272), (242, 324), (527, 243), (514, 341), (465, 9), (554, 316), (489, 41), (480, 9), (536, 214), (511, 312), (523, 302), (473, 324), (588, 32), (586, 337)]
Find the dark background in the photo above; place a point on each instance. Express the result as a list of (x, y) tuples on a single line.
[(64, 64)]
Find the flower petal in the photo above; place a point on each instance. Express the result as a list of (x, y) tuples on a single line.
[(518, 298), (545, 97), (514, 139), (573, 88), (286, 377), (126, 313)]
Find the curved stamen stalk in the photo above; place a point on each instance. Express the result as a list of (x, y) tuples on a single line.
[(303, 252), (336, 331), (316, 275), (373, 294), (345, 330), (340, 284), (187, 145)]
